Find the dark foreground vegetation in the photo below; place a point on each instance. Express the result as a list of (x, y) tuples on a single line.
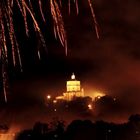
[(83, 130)]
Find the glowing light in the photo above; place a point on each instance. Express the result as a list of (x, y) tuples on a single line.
[(59, 97), (96, 94), (48, 96), (54, 101), (89, 106), (8, 136), (98, 97), (73, 77), (114, 99)]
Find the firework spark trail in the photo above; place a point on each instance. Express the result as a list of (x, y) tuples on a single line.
[(18, 4), (53, 15), (20, 63), (55, 34), (38, 52), (58, 23), (77, 8), (18, 53), (3, 39), (14, 41), (12, 3), (41, 11), (36, 25), (4, 87), (26, 9), (31, 7), (11, 30), (69, 6), (94, 18), (3, 55), (25, 17), (1, 34), (60, 3), (7, 15), (4, 77), (37, 29)]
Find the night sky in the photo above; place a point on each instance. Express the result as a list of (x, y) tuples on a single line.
[(110, 64)]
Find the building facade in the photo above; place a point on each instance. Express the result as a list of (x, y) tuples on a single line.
[(73, 89)]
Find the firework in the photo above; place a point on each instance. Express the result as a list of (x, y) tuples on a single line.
[(26, 7), (94, 18)]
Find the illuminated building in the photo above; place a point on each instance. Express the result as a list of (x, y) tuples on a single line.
[(73, 88)]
